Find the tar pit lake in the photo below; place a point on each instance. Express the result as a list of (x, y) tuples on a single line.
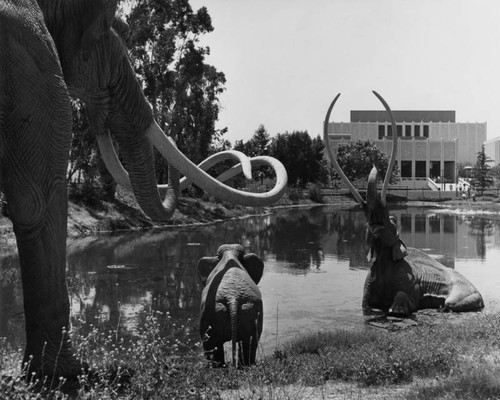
[(315, 267)]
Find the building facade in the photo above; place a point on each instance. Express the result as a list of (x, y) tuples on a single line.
[(492, 150), (431, 143)]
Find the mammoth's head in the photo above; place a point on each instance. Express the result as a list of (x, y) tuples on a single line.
[(383, 240), (230, 253), (95, 63), (96, 68)]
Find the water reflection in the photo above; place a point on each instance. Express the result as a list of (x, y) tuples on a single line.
[(315, 268)]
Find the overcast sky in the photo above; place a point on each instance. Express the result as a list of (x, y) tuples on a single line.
[(285, 60)]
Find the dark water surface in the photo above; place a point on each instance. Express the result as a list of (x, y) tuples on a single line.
[(315, 267)]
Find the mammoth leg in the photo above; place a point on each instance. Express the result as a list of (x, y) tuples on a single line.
[(402, 304), (213, 346), (457, 302), (214, 351), (367, 302), (249, 331), (371, 297), (218, 355), (34, 161), (247, 351)]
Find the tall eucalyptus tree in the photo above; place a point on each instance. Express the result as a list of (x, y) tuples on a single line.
[(170, 62)]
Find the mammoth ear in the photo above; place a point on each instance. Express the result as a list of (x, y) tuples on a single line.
[(254, 266), (399, 251), (205, 266), (98, 19)]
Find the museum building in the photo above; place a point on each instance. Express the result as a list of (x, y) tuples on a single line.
[(431, 143)]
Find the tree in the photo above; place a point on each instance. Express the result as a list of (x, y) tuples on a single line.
[(258, 145), (182, 89), (495, 172), (357, 159), (462, 170), (87, 176), (481, 174), (320, 168), (217, 146), (81, 144), (300, 155)]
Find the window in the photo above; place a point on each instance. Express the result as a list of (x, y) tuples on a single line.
[(449, 224), (381, 131), (417, 131), (420, 169), (434, 169), (426, 131), (389, 130), (400, 130), (408, 130), (435, 223), (420, 222), (405, 223), (406, 169)]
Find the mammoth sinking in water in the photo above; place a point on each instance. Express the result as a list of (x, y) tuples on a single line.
[(401, 280)]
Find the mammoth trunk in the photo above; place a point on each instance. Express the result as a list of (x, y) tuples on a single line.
[(138, 159), (129, 116)]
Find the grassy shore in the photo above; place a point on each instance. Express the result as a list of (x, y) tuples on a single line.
[(457, 359)]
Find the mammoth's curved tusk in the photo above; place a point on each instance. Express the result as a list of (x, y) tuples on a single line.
[(111, 160), (257, 161), (214, 159), (120, 175), (235, 155), (333, 158), (392, 160), (196, 174), (371, 187), (167, 148)]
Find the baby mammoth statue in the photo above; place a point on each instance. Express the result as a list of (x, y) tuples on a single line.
[(231, 304)]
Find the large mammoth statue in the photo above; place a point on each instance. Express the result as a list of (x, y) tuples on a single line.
[(48, 50), (231, 303), (401, 280)]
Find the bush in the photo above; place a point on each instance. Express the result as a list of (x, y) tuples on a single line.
[(89, 193), (294, 195), (315, 194)]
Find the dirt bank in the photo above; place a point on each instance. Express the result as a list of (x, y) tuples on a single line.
[(124, 214), (115, 216)]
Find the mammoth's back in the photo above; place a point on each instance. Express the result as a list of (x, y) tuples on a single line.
[(433, 276), (237, 284)]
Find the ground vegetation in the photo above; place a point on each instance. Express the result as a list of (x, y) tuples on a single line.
[(459, 358)]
